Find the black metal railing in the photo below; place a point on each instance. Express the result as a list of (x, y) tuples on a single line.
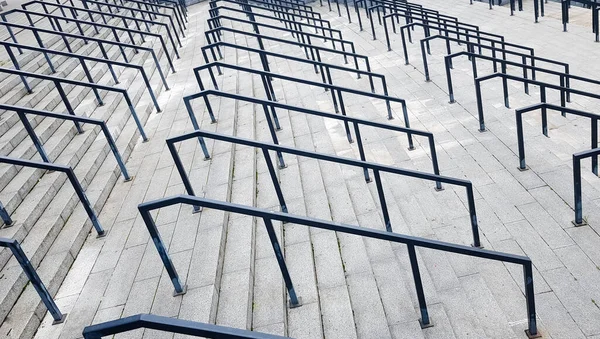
[(72, 178), (105, 58), (23, 111), (375, 168), (171, 325), (64, 98), (410, 241), (276, 7), (34, 278), (273, 124), (336, 91), (78, 23), (542, 86), (179, 11)]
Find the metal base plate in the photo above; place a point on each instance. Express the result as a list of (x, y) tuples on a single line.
[(297, 305), (184, 291), (531, 336), (61, 320), (99, 236), (426, 325), (523, 169), (583, 223)]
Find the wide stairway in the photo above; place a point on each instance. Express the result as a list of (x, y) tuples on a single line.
[(350, 286)]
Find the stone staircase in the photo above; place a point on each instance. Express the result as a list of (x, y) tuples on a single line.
[(350, 287), (50, 223)]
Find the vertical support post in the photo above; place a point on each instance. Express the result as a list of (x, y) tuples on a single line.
[(594, 122), (361, 151), (530, 300), (5, 216), (544, 110), (384, 209), (36, 141), (275, 180), (294, 301), (162, 251), (412, 255), (520, 140)]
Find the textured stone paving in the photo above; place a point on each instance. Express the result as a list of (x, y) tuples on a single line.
[(353, 287)]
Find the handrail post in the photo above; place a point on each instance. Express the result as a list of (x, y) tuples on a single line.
[(532, 331), (449, 79), (294, 301), (5, 216), (184, 177), (520, 140), (67, 104), (479, 105), (594, 128), (275, 180), (425, 321), (577, 192), (17, 67), (361, 150), (115, 150), (381, 193), (544, 110), (34, 278), (162, 251), (86, 203), (36, 141)]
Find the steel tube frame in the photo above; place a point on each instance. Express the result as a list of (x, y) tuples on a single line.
[(72, 178), (345, 119), (171, 325), (543, 87), (363, 164), (410, 241), (176, 8), (21, 111), (34, 278), (283, 9)]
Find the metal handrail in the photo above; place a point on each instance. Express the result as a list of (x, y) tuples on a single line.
[(355, 56), (273, 127), (72, 178), (564, 77), (57, 83), (73, 9), (34, 278), (365, 165), (411, 242), (300, 35), (171, 325), (542, 85), (22, 111), (324, 67), (5, 216), (577, 157), (176, 8), (105, 56), (114, 29), (82, 59), (287, 9), (332, 88)]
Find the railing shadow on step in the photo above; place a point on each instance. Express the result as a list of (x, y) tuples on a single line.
[(577, 157), (564, 78), (90, 13), (23, 111), (376, 168), (411, 242), (322, 68), (34, 278), (542, 85), (171, 325), (336, 91), (315, 51), (72, 178), (65, 100), (295, 28), (270, 106), (82, 61), (53, 19)]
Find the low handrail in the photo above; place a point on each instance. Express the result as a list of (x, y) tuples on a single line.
[(179, 13), (57, 83), (134, 18), (564, 77), (324, 67), (301, 36), (411, 242), (5, 216), (171, 325), (72, 178), (22, 111), (73, 9), (577, 157), (9, 45), (248, 8), (355, 56), (542, 86), (113, 29), (105, 56), (283, 9), (392, 6), (269, 91), (365, 165), (594, 6), (34, 278), (273, 127)]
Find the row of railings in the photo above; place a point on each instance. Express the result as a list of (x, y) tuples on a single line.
[(79, 42), (302, 28), (501, 54)]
